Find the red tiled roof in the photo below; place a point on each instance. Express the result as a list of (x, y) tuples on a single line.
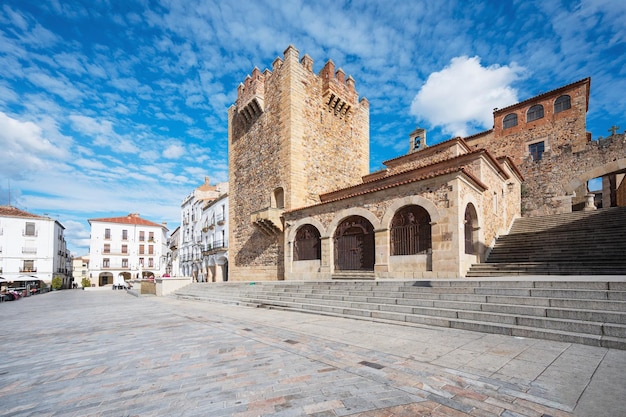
[(11, 211), (132, 218), (432, 174)]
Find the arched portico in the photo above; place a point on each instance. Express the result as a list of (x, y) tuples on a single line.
[(354, 245)]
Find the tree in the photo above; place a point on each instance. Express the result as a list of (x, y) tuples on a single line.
[(57, 283)]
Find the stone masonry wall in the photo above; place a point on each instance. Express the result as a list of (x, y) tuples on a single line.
[(564, 135), (294, 130)]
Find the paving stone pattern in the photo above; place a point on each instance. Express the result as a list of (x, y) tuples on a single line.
[(108, 353)]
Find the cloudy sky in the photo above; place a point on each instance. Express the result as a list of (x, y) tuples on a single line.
[(115, 106)]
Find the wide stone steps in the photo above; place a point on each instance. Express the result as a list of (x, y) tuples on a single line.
[(589, 220), (587, 312), (579, 243)]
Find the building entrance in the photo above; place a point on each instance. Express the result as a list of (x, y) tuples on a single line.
[(354, 245)]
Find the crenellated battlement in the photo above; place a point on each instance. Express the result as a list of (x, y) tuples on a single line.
[(251, 95), (339, 92)]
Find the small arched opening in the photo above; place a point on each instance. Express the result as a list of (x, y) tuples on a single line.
[(470, 223)]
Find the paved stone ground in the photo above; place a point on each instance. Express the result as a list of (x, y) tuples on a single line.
[(108, 353)]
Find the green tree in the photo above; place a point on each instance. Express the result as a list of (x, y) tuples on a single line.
[(85, 282), (57, 283)]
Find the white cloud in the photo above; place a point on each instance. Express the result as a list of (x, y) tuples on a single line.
[(25, 147), (461, 97), (174, 151)]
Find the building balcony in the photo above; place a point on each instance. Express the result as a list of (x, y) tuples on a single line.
[(268, 220), (28, 269), (214, 247)]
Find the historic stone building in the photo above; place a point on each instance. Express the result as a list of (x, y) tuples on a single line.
[(292, 135), (304, 206), (428, 214), (547, 138)]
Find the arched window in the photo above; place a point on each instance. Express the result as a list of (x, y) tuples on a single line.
[(307, 244), (534, 113), (562, 103), (410, 231), (510, 120), (278, 198), (470, 221)]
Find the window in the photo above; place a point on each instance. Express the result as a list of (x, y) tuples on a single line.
[(536, 150), (30, 229), (141, 261), (151, 249), (150, 262), (124, 248), (534, 113), (142, 236), (124, 262), (141, 249), (151, 236), (307, 244), (410, 231), (510, 120), (106, 263), (28, 266), (562, 103), (107, 233), (124, 234), (278, 198), (107, 248)]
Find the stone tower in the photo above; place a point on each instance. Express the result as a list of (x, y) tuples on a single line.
[(292, 135)]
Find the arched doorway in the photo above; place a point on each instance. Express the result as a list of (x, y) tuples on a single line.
[(225, 271), (471, 230), (105, 278), (354, 245)]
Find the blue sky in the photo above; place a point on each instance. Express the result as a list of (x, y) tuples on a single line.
[(111, 107)]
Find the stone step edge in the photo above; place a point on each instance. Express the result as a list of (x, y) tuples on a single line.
[(469, 325)]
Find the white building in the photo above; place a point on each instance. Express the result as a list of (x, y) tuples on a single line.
[(32, 246), (191, 243), (80, 269), (214, 222), (130, 247)]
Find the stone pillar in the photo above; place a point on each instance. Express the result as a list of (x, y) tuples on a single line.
[(381, 248), (589, 202), (326, 268)]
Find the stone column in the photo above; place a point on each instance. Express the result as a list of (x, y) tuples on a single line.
[(381, 248)]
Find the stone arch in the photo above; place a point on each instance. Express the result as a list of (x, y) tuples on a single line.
[(410, 231), (293, 227), (307, 245), (598, 171), (412, 200), (341, 215), (354, 244)]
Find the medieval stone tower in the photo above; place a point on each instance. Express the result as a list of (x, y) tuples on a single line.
[(292, 135)]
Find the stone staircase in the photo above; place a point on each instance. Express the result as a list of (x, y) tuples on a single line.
[(577, 311), (577, 243)]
